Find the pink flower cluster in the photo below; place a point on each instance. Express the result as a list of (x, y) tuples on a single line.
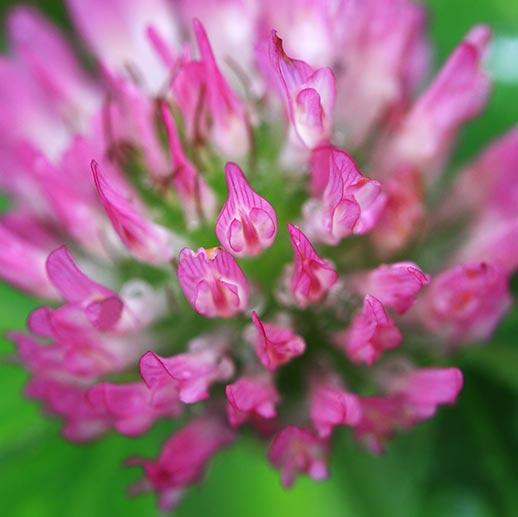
[(297, 122)]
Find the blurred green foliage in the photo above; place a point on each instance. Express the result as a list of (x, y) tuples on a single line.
[(461, 464)]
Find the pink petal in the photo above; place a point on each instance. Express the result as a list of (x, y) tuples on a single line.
[(384, 59), (191, 374), (70, 281), (371, 332), (403, 213), (130, 406), (458, 93), (350, 204), (183, 459), (309, 95), (395, 285), (425, 389), (212, 282), (251, 396), (247, 223), (82, 422), (230, 131), (148, 241), (23, 264), (295, 450), (331, 405), (312, 276), (276, 345), (197, 198), (221, 21), (465, 303), (51, 60)]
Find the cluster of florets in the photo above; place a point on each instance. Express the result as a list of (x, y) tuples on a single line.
[(119, 176)]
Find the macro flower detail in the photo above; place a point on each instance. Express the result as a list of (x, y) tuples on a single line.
[(295, 450), (198, 200), (411, 395), (350, 203), (251, 396), (183, 460), (146, 240), (465, 303), (309, 95), (457, 94), (395, 285), (237, 221), (212, 282), (247, 223), (371, 332), (132, 408), (23, 264), (311, 276), (332, 405), (102, 307), (274, 344), (229, 131), (189, 374)]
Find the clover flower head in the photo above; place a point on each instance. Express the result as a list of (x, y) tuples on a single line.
[(227, 219)]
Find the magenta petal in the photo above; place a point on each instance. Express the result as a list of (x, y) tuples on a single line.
[(70, 281), (371, 332), (23, 264), (183, 459), (251, 396), (276, 345), (212, 282), (247, 223), (148, 241), (395, 285), (230, 130), (190, 374), (426, 388), (309, 95), (198, 200), (350, 203), (51, 60), (457, 94), (466, 302), (312, 276), (40, 322), (331, 405), (104, 314), (295, 450), (130, 406)]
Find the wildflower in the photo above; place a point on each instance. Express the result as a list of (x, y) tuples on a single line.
[(251, 396), (371, 332), (395, 285), (117, 175), (311, 276), (213, 282), (183, 460), (332, 405), (247, 223), (309, 95), (466, 302), (350, 203), (275, 345), (411, 395), (295, 450)]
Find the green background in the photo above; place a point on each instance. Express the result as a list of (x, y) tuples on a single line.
[(462, 463)]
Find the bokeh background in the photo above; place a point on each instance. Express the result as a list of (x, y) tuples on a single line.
[(463, 463)]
